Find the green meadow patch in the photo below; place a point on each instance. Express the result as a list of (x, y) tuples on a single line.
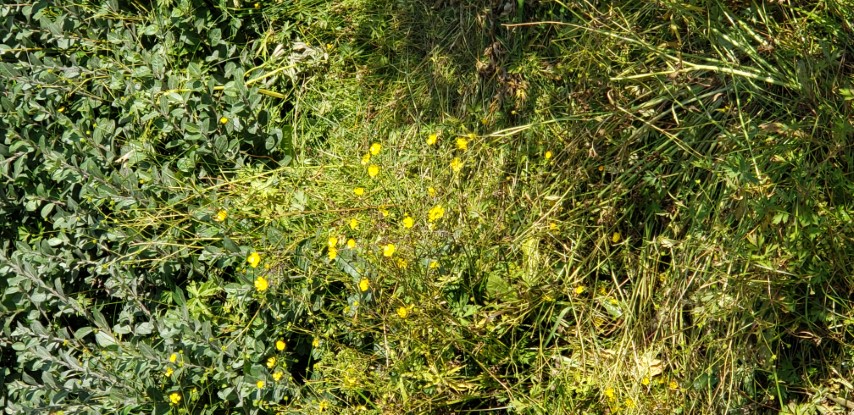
[(383, 207)]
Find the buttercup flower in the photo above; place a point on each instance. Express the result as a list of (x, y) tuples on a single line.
[(364, 285), (388, 250), (223, 120), (431, 191), (435, 213), (376, 148), (333, 253), (402, 312), (271, 362), (408, 222), (462, 144), (384, 212), (277, 376), (351, 243), (456, 165), (373, 170), (253, 259), (354, 224), (580, 290), (220, 216), (315, 342), (173, 358), (548, 155), (174, 398), (261, 284), (280, 345), (169, 372), (260, 384), (432, 138), (366, 158), (359, 191), (332, 242)]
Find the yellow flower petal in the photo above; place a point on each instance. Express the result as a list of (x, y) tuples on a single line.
[(432, 138), (280, 345), (359, 191), (364, 285), (408, 222), (261, 284), (389, 250), (373, 170)]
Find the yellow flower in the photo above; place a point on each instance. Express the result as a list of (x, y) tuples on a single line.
[(434, 264), (174, 398), (456, 165), (373, 170), (610, 393), (257, 5), (351, 243), (431, 191), (432, 138), (673, 385), (315, 342), (366, 158), (169, 372), (277, 376), (615, 237), (388, 250), (280, 345), (408, 222), (359, 191), (364, 284), (645, 381), (173, 358), (220, 216), (223, 120), (324, 404), (402, 312), (548, 155), (435, 213), (332, 242), (384, 212), (354, 224), (333, 253), (376, 148), (462, 143), (260, 384), (580, 290), (271, 362), (402, 263), (253, 259), (630, 403), (261, 284)]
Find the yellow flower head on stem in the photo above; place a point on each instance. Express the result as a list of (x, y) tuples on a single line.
[(261, 284), (277, 376), (260, 384), (332, 253), (280, 345), (174, 398), (548, 155), (220, 216), (456, 165), (435, 213), (173, 358), (402, 311), (432, 138), (389, 250), (169, 372), (462, 143), (271, 362), (366, 158), (253, 259), (376, 148), (580, 290), (351, 243), (364, 285), (408, 222), (373, 170), (359, 191), (223, 120), (332, 242), (431, 191), (354, 224)]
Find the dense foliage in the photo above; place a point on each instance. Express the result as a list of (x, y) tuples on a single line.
[(426, 207)]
